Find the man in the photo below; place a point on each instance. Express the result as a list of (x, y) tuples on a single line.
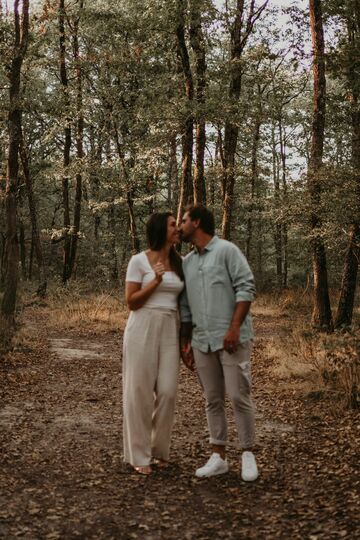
[(216, 335)]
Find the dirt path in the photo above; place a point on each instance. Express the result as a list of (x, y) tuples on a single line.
[(62, 474)]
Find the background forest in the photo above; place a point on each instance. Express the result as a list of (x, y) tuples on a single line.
[(111, 110)]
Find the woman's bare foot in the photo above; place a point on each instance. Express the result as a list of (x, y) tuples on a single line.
[(145, 470), (160, 463)]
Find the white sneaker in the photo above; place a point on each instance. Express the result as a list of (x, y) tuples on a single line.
[(215, 465), (249, 470)]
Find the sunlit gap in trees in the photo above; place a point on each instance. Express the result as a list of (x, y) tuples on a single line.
[(8, 5)]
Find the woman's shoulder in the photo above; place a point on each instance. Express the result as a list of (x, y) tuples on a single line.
[(138, 258)]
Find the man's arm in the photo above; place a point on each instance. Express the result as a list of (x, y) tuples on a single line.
[(186, 351), (232, 336), (244, 288)]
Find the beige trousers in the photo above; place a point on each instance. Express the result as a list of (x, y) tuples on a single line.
[(219, 372), (150, 375)]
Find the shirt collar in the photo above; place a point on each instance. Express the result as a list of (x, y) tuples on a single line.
[(209, 246)]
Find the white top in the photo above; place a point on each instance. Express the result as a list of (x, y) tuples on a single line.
[(165, 295)]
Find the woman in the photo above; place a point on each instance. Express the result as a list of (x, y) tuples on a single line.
[(154, 280)]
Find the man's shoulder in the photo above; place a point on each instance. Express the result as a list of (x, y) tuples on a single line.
[(188, 256), (226, 245)]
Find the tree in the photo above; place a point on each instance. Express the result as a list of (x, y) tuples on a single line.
[(239, 33), (21, 35), (352, 54), (321, 317)]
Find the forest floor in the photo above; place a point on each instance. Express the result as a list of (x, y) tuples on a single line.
[(62, 474)]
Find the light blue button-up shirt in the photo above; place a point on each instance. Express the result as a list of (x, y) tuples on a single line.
[(215, 281)]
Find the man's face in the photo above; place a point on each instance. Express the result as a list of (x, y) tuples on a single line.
[(187, 228)]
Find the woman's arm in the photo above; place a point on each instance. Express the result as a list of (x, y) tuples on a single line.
[(135, 296)]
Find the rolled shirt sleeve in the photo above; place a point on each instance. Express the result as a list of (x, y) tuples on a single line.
[(241, 275)]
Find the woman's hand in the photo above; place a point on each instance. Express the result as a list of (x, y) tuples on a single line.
[(159, 270)]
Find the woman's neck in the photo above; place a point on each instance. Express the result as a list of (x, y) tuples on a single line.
[(163, 253)]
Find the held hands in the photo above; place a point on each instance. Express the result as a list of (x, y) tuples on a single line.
[(231, 339), (159, 270), (187, 355)]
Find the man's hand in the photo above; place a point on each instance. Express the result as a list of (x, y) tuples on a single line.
[(231, 339), (187, 355)]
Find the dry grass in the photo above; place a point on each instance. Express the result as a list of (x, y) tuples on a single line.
[(100, 312), (326, 363)]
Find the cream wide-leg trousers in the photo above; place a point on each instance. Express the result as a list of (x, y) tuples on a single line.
[(151, 363)]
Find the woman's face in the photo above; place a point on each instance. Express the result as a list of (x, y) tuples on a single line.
[(172, 231)]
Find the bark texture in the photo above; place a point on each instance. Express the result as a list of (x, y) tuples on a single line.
[(345, 307), (21, 34), (321, 316), (240, 32)]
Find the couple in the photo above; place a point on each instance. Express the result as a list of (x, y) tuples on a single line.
[(214, 287)]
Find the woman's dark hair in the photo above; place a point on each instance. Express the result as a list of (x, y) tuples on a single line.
[(156, 233), (204, 215)]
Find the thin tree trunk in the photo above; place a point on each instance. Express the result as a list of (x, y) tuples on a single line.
[(22, 247), (321, 317), (112, 231), (239, 36), (67, 143), (129, 196), (186, 188), (173, 182), (14, 127), (198, 46), (254, 178), (284, 230), (345, 307), (278, 240), (79, 146), (35, 237)]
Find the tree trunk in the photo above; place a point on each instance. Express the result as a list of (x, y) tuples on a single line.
[(75, 229), (35, 237), (321, 317), (186, 188), (239, 36), (173, 187), (254, 177), (129, 195), (284, 230), (112, 233), (349, 277), (14, 127), (278, 240), (198, 46), (67, 143)]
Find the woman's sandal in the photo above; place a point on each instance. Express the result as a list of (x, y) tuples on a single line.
[(145, 470)]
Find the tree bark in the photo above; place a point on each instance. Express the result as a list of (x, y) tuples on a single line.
[(321, 316), (67, 143), (278, 240), (14, 127), (198, 46), (129, 196), (345, 307), (186, 194), (254, 174), (284, 229), (75, 229), (240, 33), (35, 241)]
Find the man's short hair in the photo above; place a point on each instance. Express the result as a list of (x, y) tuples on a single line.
[(205, 217)]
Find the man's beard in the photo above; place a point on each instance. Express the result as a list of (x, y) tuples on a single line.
[(185, 238)]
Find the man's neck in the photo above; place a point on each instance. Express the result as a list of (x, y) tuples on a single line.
[(201, 240)]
